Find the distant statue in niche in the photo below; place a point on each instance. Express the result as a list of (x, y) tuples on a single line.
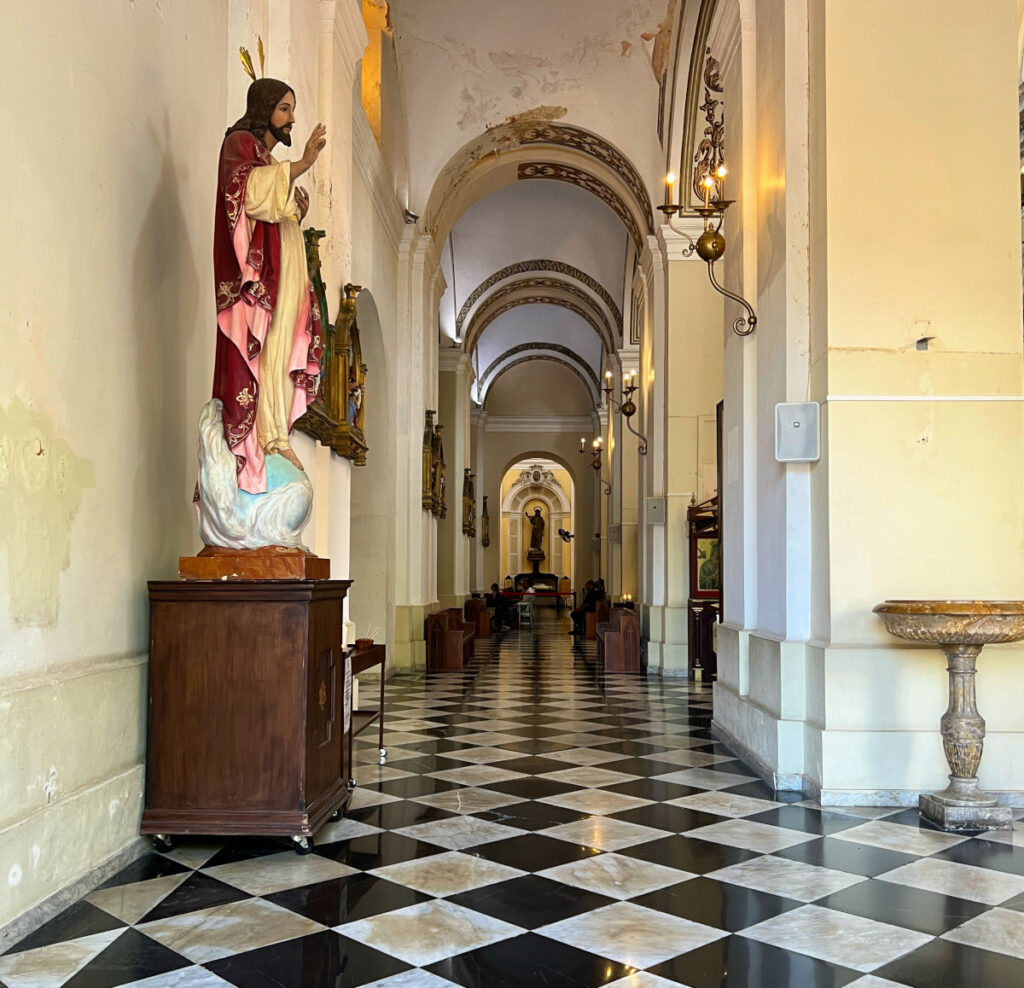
[(252, 489), (268, 320), (537, 524)]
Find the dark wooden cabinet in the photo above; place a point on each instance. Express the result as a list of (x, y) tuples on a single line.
[(246, 707), (702, 626)]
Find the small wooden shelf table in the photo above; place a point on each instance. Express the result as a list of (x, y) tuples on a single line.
[(360, 661)]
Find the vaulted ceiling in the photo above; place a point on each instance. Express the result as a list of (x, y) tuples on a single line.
[(535, 159)]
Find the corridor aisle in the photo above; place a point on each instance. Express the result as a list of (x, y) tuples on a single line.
[(538, 823)]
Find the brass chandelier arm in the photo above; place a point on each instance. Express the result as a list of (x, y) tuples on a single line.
[(642, 448), (749, 320)]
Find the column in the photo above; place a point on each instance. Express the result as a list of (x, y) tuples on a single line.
[(453, 546)]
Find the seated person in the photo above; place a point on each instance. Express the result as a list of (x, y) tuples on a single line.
[(589, 605), (502, 617)]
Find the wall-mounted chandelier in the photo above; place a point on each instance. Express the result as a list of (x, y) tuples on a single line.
[(626, 407), (595, 451)]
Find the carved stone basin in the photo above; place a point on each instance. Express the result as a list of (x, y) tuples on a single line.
[(954, 622), (960, 628)]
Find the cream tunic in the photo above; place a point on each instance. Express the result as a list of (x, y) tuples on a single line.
[(269, 197)]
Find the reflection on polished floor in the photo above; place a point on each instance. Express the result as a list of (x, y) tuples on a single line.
[(539, 823)]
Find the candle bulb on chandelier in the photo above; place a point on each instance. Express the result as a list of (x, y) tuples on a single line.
[(583, 444), (709, 183), (670, 188), (721, 173)]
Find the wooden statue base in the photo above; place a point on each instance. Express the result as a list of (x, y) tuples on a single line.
[(271, 562)]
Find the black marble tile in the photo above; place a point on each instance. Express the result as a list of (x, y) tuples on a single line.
[(653, 789), (533, 852), (645, 767), (198, 891), (634, 749), (944, 964), (985, 854), (530, 901), (529, 960), (148, 866), (344, 900), (689, 854), (844, 855), (412, 786), (757, 789), (1017, 902), (901, 905), (532, 788), (533, 765), (392, 816), (675, 819), (323, 960), (810, 821), (377, 850), (243, 849), (719, 904), (534, 746), (736, 962), (80, 920), (131, 957), (531, 815)]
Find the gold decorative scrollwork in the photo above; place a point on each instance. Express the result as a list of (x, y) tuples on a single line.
[(710, 153)]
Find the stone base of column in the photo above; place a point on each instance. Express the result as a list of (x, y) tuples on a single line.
[(958, 815)]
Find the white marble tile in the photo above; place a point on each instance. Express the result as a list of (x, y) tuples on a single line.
[(791, 879), (398, 738), (724, 803), (598, 801), (185, 977), (1014, 836), (589, 776), (343, 829), (960, 880), (482, 756), (446, 874), (475, 775), (1001, 930), (491, 725), (644, 979), (402, 724), (193, 852), (836, 937), (761, 837), (584, 756), (467, 800), (704, 778), (46, 967), (488, 738), (416, 978), (584, 739), (671, 741), (209, 934), (865, 812), (899, 837), (459, 832), (605, 833), (276, 872), (692, 759), (131, 902), (362, 798), (631, 934), (616, 875), (370, 775), (871, 981), (428, 932)]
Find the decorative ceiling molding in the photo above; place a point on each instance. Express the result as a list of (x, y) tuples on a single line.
[(560, 135), (476, 327), (529, 359), (541, 423), (531, 267), (589, 183), (565, 351)]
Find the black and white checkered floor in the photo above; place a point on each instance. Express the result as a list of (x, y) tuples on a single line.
[(539, 823)]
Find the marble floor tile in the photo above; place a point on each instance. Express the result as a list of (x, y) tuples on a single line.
[(193, 852), (584, 739), (753, 836), (616, 876), (223, 930), (852, 941), (459, 832), (488, 739), (643, 979), (344, 829), (1000, 930), (428, 932), (475, 775), (584, 756), (871, 981), (132, 902), (960, 880), (631, 934), (275, 872), (589, 776), (598, 801), (692, 759), (792, 879), (898, 837), (704, 778), (447, 874), (604, 832), (411, 725), (46, 967), (371, 775), (467, 800), (482, 756), (724, 803), (186, 977), (415, 978)]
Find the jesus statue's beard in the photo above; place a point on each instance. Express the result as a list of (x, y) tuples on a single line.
[(284, 136)]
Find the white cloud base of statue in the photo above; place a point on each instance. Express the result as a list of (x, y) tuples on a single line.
[(235, 519)]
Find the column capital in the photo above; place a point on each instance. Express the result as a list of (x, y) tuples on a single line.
[(452, 360), (343, 19)]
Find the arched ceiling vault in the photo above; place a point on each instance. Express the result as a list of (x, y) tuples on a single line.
[(530, 358), (537, 351)]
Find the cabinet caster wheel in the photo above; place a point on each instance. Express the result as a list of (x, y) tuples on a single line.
[(351, 783), (383, 755), (163, 843), (303, 845), (335, 816)]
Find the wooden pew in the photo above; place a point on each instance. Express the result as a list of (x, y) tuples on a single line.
[(449, 640), (479, 615), (595, 617), (618, 641)]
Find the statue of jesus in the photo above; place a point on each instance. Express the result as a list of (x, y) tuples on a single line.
[(268, 321), (537, 524)]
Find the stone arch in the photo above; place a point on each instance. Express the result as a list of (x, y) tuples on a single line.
[(559, 508), (592, 390), (570, 358)]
